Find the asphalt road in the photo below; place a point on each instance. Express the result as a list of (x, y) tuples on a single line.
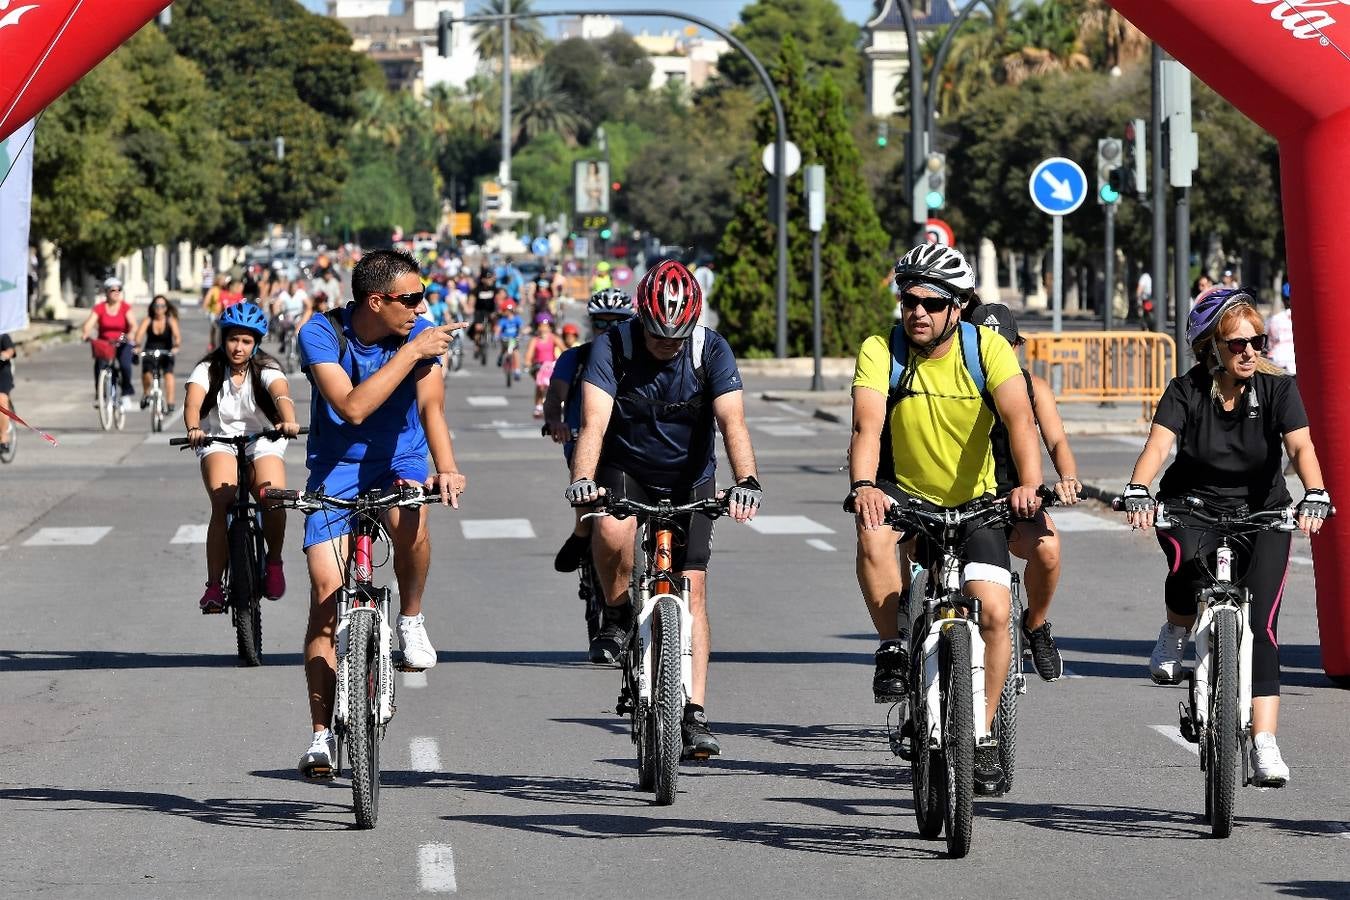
[(136, 758)]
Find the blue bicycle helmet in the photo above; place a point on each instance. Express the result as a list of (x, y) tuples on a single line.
[(247, 316), (1209, 309)]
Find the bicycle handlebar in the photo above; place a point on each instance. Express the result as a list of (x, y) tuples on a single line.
[(991, 512), (623, 507), (313, 501), (271, 434)]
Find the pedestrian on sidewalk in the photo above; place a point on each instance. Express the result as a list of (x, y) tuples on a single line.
[(1280, 327)]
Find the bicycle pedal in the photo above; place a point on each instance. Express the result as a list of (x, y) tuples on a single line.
[(404, 667), (696, 756), (1187, 725), (888, 698), (215, 611)]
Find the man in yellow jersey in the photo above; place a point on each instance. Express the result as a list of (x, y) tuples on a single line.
[(924, 402)]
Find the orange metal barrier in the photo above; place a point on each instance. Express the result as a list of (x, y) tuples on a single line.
[(1102, 366)]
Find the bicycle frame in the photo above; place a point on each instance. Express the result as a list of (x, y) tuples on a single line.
[(360, 596), (647, 589)]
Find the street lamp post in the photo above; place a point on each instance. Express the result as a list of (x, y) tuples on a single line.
[(504, 175), (780, 121)]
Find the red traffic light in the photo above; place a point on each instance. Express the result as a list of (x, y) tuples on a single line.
[(615, 186), (1129, 131)]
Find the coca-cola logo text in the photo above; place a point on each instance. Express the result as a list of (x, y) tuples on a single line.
[(1304, 19)]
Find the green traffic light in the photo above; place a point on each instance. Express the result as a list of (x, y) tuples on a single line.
[(934, 199), (1109, 194), (605, 234), (881, 140)]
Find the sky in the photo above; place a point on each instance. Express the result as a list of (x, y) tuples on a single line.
[(720, 12)]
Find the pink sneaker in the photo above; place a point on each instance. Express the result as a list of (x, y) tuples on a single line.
[(274, 581), (213, 599)]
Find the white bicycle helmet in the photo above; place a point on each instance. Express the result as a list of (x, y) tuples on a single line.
[(610, 302), (937, 266)]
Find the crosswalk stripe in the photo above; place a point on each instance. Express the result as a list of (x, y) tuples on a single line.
[(1173, 734), (414, 679), (787, 430), (820, 545), (489, 529), (482, 401), (425, 755), (1076, 520), (520, 434), (436, 869), (190, 534), (67, 537), (788, 525)]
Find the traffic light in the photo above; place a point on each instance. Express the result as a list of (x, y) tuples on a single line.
[(1108, 165), (616, 186), (883, 133), (606, 234), (935, 180), (1134, 159), (445, 33)]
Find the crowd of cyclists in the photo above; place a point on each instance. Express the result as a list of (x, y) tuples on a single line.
[(943, 414)]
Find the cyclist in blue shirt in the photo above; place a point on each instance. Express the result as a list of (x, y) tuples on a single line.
[(377, 410), (507, 332), (653, 400), (562, 406), (508, 278)]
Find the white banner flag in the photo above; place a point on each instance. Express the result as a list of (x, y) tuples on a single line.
[(16, 202)]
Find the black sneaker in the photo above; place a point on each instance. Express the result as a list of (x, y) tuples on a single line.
[(988, 773), (1043, 651), (699, 742), (607, 646), (892, 673), (572, 553), (145, 402)]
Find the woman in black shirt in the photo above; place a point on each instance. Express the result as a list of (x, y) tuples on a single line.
[(1229, 416)]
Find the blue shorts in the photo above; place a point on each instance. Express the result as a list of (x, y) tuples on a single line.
[(348, 480)]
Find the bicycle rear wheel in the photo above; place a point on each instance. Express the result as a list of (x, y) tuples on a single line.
[(105, 398), (157, 410), (958, 737), (119, 413), (1223, 739), (363, 738), (667, 698), (244, 590)]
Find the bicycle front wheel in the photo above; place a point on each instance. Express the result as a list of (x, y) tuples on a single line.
[(363, 737), (1223, 740), (928, 773), (119, 412), (105, 399), (1005, 719), (244, 589), (667, 698), (958, 736), (157, 412)]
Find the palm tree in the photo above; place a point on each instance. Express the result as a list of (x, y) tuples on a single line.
[(974, 60), (1111, 39), (1045, 38), (527, 35), (541, 105)]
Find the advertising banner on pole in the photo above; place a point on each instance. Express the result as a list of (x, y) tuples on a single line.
[(16, 200)]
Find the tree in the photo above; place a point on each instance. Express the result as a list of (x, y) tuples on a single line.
[(828, 42), (527, 35), (605, 78), (126, 159), (854, 260), (541, 105)]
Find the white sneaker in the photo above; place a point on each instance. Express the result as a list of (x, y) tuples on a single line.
[(317, 761), (1165, 663), (126, 404), (1268, 768), (412, 637)]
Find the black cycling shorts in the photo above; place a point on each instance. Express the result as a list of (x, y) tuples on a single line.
[(149, 364), (6, 381), (984, 546), (694, 532)]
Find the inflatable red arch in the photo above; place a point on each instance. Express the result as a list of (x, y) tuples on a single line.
[(1281, 62)]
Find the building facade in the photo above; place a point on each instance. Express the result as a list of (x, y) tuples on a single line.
[(886, 48), (405, 44)]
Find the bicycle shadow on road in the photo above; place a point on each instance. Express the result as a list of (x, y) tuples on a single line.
[(1300, 664), (73, 660), (234, 812), (1312, 890), (1102, 820), (802, 837)]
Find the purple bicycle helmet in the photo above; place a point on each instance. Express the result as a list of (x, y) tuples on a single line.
[(1209, 309)]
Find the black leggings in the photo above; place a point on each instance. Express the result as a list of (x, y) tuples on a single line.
[(694, 534), (1261, 566)]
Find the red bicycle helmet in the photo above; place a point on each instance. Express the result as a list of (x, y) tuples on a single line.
[(669, 300)]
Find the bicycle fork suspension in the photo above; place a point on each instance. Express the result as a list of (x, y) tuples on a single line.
[(933, 682)]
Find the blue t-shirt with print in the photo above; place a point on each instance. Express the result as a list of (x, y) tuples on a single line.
[(510, 326), (390, 436), (662, 430)]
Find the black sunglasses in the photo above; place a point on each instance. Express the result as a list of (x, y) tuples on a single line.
[(1237, 345), (412, 299), (912, 302)]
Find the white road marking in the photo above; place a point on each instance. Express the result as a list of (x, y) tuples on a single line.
[(787, 407), (190, 534), (1173, 734), (425, 755), (436, 869), (489, 529), (789, 430), (79, 439), (1301, 560), (788, 525), (1077, 520), (161, 438), (1070, 673), (520, 434), (482, 402), (820, 545), (67, 537), (414, 679)]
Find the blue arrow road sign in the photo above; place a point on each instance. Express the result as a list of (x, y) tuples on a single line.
[(540, 246), (1058, 186)]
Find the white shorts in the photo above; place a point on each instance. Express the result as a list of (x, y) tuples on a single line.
[(260, 447)]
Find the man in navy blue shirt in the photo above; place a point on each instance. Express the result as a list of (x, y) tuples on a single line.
[(654, 398), (377, 410)]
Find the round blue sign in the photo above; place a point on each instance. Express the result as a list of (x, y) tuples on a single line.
[(1058, 186)]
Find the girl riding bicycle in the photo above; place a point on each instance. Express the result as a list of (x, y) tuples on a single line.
[(541, 354), (158, 331), (1229, 416), (238, 389)]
